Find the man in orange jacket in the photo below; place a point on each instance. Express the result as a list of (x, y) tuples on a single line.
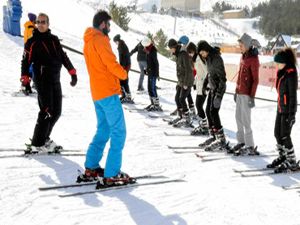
[(104, 72)]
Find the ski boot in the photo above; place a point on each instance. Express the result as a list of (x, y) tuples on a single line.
[(90, 175), (174, 113), (289, 164), (202, 129), (235, 148), (52, 146), (246, 150), (219, 144), (185, 121), (174, 121), (120, 179), (282, 157), (208, 141)]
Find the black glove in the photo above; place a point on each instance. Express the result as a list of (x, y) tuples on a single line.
[(251, 102), (158, 78), (74, 80), (291, 119), (194, 87), (145, 71), (234, 97), (217, 102)]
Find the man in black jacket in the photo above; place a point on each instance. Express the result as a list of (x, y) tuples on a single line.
[(124, 60), (215, 82), (45, 53), (185, 79), (142, 61)]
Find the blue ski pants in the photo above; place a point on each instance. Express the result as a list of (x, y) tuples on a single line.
[(110, 125)]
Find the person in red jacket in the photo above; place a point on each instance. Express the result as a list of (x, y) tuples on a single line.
[(246, 86), (286, 85)]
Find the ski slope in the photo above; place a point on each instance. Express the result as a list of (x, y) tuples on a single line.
[(212, 194)]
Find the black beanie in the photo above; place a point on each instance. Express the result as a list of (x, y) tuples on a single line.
[(172, 43), (281, 57), (204, 46), (99, 17), (117, 38)]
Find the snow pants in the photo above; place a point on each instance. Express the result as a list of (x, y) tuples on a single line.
[(50, 103), (243, 120), (212, 113), (110, 125), (282, 130)]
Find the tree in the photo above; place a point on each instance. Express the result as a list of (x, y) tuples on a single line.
[(119, 15), (278, 17), (161, 43)]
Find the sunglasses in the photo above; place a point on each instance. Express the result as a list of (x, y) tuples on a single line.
[(43, 22)]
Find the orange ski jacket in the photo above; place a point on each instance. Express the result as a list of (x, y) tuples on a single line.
[(104, 70)]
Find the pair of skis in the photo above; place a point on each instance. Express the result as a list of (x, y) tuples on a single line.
[(64, 152), (263, 172), (160, 179)]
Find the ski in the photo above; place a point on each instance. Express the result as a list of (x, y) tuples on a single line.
[(184, 151), (155, 116), (40, 154), (183, 147), (291, 187), (214, 158), (169, 180), (146, 176), (176, 134), (251, 170), (268, 173), (22, 150)]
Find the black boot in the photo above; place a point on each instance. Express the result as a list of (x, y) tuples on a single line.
[(219, 143), (210, 140), (289, 164), (282, 157)]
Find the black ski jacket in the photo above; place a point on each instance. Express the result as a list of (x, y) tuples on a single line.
[(141, 54), (124, 56), (215, 79), (45, 52), (152, 62), (287, 85)]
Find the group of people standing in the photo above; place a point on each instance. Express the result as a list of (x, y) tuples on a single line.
[(200, 66), (206, 64)]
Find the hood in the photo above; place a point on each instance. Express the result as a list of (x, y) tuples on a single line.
[(90, 33)]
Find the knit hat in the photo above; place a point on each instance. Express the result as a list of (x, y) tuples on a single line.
[(146, 42), (246, 40), (203, 46), (99, 17), (183, 40), (117, 38), (281, 57), (31, 17), (172, 43)]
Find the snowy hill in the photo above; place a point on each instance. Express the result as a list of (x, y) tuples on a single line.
[(212, 194)]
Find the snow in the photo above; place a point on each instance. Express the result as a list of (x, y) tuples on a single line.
[(212, 194)]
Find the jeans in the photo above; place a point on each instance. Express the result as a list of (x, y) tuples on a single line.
[(143, 66)]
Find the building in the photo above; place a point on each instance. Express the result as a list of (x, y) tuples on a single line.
[(182, 5), (282, 41), (234, 14)]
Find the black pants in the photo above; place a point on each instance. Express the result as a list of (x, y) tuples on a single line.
[(180, 97), (200, 99), (212, 113), (152, 86), (50, 103), (125, 87), (282, 130), (190, 100)]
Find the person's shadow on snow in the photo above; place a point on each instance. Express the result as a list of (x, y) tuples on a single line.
[(66, 173), (144, 213)]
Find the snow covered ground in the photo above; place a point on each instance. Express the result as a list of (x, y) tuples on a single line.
[(212, 194)]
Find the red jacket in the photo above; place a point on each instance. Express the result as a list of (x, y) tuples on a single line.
[(248, 74)]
